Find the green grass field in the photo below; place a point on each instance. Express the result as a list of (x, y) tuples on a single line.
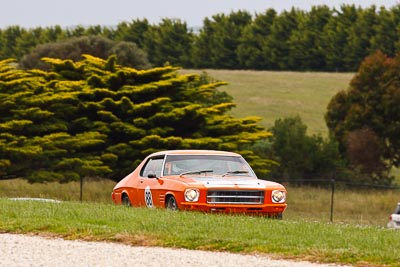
[(313, 241), (274, 95)]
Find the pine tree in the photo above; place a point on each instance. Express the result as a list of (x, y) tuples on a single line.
[(96, 118)]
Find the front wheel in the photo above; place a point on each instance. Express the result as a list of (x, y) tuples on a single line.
[(171, 203), (126, 201), (278, 216)]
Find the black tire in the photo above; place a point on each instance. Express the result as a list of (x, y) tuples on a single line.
[(171, 203), (277, 216), (126, 201)]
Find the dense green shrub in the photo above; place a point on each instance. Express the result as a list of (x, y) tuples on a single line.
[(128, 54), (97, 118), (307, 159)]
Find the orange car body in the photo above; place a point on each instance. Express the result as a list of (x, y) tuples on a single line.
[(200, 180)]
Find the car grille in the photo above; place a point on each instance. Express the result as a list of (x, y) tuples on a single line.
[(235, 197)]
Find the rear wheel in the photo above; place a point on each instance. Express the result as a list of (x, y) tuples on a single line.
[(171, 203), (126, 201)]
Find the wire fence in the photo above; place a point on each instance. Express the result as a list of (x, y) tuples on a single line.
[(335, 185), (317, 199)]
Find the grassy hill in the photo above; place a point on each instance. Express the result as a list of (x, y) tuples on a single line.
[(273, 95)]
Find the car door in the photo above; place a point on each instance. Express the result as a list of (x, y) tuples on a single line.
[(149, 184)]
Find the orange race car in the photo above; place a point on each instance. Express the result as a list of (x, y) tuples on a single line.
[(201, 180)]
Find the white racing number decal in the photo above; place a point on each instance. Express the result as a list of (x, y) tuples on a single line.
[(148, 197)]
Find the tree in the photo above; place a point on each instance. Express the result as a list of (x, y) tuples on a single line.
[(202, 46), (133, 32), (305, 52), (364, 153), (358, 44), (251, 54), (371, 102), (170, 42), (128, 53), (302, 157), (8, 42), (218, 41), (322, 39), (95, 117), (335, 37), (277, 47), (386, 37), (53, 34)]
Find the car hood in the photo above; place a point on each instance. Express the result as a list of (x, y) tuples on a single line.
[(235, 182)]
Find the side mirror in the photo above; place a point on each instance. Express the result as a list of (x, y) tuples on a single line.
[(152, 175)]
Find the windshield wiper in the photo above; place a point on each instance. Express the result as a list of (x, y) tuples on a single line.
[(195, 172), (235, 172)]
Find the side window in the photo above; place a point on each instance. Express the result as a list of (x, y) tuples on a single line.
[(153, 166)]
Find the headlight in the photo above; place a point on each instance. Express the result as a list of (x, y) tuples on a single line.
[(278, 196), (192, 195)]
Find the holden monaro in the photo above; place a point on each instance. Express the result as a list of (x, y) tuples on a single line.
[(200, 180)]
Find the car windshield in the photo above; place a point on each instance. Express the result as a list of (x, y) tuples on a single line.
[(198, 164)]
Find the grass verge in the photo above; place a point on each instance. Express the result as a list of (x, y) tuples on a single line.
[(313, 241), (361, 207)]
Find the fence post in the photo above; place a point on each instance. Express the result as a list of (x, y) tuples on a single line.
[(81, 192), (332, 197)]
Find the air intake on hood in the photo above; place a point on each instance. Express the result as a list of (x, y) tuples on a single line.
[(235, 197)]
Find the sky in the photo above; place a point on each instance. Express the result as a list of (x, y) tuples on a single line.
[(45, 13)]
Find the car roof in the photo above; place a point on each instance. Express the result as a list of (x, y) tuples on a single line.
[(195, 152)]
